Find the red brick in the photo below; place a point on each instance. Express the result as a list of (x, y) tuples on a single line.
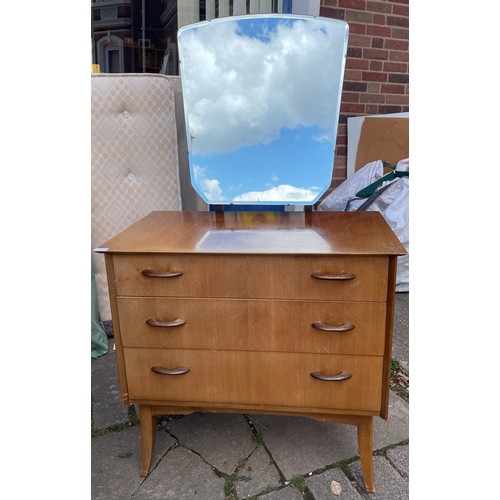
[(341, 140), (373, 88), (378, 19), (353, 4), (401, 10), (375, 65), (378, 31), (356, 64), (342, 162), (398, 21), (397, 99), (402, 33), (398, 56), (359, 17), (343, 118), (373, 98), (332, 13), (394, 67), (384, 110), (354, 52), (379, 7), (352, 75), (375, 54), (392, 89), (356, 28), (377, 43), (350, 97), (396, 44), (352, 108), (354, 86), (374, 77), (330, 3), (359, 41), (340, 165), (398, 78), (372, 109)]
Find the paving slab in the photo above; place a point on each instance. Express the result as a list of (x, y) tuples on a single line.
[(222, 439), (400, 459), (116, 457), (320, 486), (258, 474), (300, 445), (396, 428), (286, 493), (107, 409), (389, 483), (182, 475)]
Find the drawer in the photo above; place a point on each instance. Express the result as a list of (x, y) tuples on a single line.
[(259, 325), (254, 378), (361, 278)]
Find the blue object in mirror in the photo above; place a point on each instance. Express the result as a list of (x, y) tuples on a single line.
[(261, 99)]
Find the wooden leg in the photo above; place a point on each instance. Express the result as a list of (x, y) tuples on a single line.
[(365, 444), (148, 433)]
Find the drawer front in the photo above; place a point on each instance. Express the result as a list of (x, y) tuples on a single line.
[(361, 278), (259, 325), (254, 378)]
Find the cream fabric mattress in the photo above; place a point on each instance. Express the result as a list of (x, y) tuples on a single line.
[(134, 158)]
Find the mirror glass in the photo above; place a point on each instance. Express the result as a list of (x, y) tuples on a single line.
[(261, 100)]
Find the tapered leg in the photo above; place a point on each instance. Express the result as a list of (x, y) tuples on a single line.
[(148, 433), (365, 444)]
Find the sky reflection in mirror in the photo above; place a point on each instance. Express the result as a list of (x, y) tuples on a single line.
[(261, 98)]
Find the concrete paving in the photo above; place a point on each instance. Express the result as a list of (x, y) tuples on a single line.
[(212, 456)]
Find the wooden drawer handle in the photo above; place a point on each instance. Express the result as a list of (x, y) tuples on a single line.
[(331, 378), (159, 274), (335, 277), (346, 327), (176, 371), (165, 324)]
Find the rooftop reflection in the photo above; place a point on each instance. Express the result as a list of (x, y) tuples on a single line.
[(261, 97)]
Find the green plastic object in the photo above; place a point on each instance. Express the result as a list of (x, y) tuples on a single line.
[(372, 188), (99, 344)]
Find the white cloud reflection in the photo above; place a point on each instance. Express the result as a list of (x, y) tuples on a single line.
[(282, 193), (283, 80), (211, 187)]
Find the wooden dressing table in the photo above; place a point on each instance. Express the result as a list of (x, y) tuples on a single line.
[(287, 313)]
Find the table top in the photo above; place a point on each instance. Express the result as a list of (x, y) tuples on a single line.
[(301, 233)]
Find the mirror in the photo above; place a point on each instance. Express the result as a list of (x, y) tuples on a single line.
[(261, 99)]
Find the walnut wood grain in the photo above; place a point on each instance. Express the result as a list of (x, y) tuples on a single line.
[(257, 378), (255, 325), (347, 233), (255, 276)]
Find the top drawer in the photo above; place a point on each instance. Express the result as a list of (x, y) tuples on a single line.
[(252, 276)]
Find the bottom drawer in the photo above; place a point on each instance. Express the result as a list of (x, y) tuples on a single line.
[(254, 378)]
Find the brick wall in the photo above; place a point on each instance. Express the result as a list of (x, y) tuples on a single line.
[(376, 73)]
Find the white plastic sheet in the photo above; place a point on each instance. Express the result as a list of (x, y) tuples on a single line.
[(393, 204)]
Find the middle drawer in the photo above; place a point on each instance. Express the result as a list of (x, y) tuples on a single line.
[(257, 325)]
